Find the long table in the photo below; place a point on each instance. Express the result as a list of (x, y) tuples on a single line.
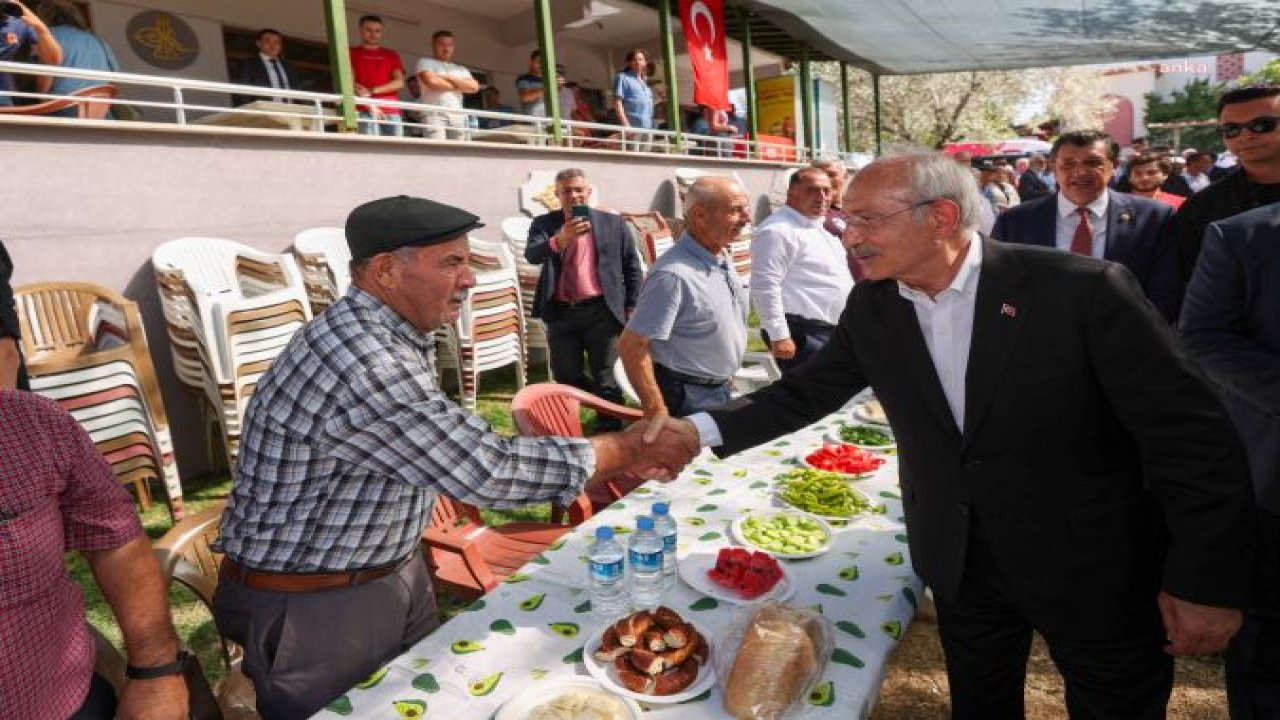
[(534, 626)]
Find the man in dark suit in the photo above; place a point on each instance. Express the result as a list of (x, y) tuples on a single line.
[(1135, 232), (1231, 322), (1064, 466), (589, 283), (266, 69), (1031, 183)]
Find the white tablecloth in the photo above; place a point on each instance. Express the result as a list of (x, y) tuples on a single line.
[(507, 635)]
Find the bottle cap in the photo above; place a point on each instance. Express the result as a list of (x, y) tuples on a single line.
[(660, 508), (604, 533), (644, 522)]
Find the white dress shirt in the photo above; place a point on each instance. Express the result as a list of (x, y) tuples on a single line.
[(946, 321), (1069, 220), (947, 325), (1196, 182), (275, 72), (797, 268)]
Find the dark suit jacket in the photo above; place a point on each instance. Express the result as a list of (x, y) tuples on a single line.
[(1139, 236), (1032, 186), (1231, 321), (1087, 428), (617, 262), (1177, 185), (253, 71)]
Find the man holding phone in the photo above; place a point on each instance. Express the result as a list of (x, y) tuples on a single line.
[(589, 284)]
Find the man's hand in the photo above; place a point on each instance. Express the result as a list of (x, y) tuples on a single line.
[(572, 230), (1195, 629), (158, 699), (662, 449), (783, 349)]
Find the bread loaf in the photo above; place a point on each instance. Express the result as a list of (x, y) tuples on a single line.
[(774, 664)]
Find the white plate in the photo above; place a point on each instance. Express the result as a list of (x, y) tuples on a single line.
[(777, 493), (541, 693), (606, 674), (736, 529), (847, 476), (833, 437), (864, 413), (693, 570)]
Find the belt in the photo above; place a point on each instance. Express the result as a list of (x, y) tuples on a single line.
[(689, 379), (233, 571), (802, 320), (574, 304)]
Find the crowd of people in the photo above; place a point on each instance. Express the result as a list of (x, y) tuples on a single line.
[(1083, 377)]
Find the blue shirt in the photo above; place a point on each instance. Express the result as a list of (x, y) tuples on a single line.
[(693, 309), (538, 107), (15, 36), (82, 50), (636, 97)]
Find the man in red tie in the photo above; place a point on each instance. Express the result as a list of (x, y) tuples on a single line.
[(1087, 218)]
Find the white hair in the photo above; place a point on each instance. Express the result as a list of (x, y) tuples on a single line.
[(935, 176)]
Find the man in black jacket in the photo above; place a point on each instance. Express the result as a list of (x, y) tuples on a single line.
[(1065, 467), (1249, 119), (589, 283), (13, 374), (266, 69)]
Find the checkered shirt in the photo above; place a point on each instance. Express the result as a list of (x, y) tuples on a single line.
[(348, 439), (57, 493)]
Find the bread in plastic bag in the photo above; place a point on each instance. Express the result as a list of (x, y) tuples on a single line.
[(770, 656)]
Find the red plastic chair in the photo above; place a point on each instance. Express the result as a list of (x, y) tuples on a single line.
[(552, 409), (468, 558)]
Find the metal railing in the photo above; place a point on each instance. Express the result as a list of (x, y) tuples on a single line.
[(185, 101)]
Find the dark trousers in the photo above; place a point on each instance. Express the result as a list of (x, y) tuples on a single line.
[(986, 637), (683, 397), (99, 703), (304, 649), (808, 335), (588, 329), (1253, 659)]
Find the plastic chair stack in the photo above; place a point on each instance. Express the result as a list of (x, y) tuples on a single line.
[(85, 347), (325, 261), (655, 236), (515, 231), (740, 254), (230, 310), (490, 332)]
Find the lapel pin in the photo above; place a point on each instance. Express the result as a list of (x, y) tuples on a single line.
[(1125, 216), (1009, 310)]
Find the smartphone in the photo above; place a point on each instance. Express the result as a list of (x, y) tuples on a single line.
[(581, 211)]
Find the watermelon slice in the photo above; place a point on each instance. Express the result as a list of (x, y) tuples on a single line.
[(749, 574)]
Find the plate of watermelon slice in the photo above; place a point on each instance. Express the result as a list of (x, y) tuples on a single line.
[(737, 575)]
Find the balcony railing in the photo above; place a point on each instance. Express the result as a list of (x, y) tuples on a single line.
[(183, 101)]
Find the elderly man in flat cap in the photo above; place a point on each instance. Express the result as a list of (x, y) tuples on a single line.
[(346, 444)]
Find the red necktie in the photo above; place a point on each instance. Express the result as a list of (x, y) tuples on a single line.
[(1082, 241)]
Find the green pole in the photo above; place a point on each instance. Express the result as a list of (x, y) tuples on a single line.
[(669, 72), (806, 102), (875, 92), (550, 81), (335, 15), (749, 77), (844, 99)]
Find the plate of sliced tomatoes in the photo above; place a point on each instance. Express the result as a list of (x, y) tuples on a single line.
[(843, 459)]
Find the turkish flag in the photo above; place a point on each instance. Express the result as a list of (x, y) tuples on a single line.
[(703, 22)]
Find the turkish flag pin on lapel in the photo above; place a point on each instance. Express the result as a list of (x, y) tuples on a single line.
[(1008, 310)]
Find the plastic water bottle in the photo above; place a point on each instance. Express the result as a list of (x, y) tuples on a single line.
[(665, 526), (645, 557), (606, 576)]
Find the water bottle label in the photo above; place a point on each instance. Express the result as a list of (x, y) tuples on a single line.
[(669, 544), (607, 572), (646, 562)]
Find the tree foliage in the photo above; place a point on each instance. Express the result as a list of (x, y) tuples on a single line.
[(929, 111), (1269, 74), (1196, 101)]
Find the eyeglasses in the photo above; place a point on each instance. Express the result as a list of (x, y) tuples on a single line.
[(1257, 126), (862, 223)]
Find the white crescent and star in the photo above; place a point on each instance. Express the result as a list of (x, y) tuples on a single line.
[(700, 10)]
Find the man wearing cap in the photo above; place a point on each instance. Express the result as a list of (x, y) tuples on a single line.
[(346, 444)]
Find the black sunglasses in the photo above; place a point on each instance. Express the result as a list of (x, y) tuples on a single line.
[(1257, 126)]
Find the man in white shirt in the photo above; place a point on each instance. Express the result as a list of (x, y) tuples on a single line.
[(799, 274), (443, 83)]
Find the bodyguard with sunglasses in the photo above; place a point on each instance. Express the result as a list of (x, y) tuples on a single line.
[(1249, 119)]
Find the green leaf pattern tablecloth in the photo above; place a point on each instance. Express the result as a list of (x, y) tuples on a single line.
[(534, 626)]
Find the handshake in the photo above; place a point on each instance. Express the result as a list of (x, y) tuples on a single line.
[(654, 448)]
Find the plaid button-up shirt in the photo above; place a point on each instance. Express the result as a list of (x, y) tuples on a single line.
[(348, 439), (57, 493)]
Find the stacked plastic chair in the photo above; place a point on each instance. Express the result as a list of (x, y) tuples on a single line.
[(653, 232), (325, 261), (515, 230), (740, 254), (490, 333), (85, 347), (229, 310)]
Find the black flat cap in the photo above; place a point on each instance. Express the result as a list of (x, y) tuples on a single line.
[(395, 222)]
